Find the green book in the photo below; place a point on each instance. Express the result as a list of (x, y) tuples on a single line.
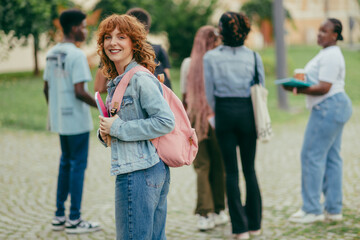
[(292, 82)]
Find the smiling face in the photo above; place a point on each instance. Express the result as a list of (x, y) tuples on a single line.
[(119, 49), (326, 36)]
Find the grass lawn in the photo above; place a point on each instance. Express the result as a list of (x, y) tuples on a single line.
[(23, 104)]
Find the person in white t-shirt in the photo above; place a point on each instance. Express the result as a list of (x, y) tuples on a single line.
[(66, 76), (321, 163)]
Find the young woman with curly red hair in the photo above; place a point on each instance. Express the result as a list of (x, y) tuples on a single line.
[(142, 179)]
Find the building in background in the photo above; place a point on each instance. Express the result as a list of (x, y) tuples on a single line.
[(309, 14)]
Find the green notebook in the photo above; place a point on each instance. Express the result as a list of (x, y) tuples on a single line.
[(292, 82)]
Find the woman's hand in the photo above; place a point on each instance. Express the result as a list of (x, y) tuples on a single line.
[(105, 124), (294, 90)]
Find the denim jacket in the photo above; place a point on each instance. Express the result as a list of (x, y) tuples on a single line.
[(144, 114), (229, 72)]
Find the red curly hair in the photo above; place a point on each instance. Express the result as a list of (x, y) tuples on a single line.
[(143, 52)]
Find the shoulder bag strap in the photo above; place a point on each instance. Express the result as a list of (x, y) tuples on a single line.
[(256, 76)]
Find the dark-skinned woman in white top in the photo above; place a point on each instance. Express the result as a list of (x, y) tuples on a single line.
[(321, 163)]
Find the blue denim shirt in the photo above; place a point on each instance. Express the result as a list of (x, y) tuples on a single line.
[(144, 114), (229, 72)]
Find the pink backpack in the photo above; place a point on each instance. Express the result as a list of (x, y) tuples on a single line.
[(178, 147)]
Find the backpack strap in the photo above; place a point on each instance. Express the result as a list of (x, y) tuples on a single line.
[(121, 88)]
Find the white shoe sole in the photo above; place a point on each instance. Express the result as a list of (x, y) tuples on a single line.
[(318, 218), (334, 218), (58, 228), (80, 231)]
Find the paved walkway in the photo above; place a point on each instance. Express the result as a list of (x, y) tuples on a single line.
[(28, 172)]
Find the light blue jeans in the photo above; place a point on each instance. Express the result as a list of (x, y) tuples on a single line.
[(141, 203), (321, 162)]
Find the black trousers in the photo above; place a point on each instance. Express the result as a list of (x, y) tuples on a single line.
[(235, 126)]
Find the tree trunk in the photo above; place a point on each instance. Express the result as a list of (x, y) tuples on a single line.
[(36, 50), (281, 66)]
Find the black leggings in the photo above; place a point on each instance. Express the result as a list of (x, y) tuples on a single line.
[(235, 126)]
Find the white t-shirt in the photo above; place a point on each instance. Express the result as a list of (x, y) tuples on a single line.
[(67, 65), (327, 66), (184, 71)]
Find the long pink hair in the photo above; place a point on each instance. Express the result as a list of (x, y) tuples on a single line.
[(197, 107)]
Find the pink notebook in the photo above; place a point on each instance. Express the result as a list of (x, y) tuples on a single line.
[(100, 105)]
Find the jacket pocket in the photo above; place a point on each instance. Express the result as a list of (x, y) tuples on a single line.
[(128, 109)]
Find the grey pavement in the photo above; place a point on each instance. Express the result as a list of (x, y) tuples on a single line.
[(28, 172)]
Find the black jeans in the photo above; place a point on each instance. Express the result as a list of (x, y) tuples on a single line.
[(235, 126)]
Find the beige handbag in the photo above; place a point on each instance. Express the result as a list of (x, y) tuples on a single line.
[(261, 114)]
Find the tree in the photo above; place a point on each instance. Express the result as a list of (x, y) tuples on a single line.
[(186, 18), (20, 20), (260, 11), (281, 67), (180, 19)]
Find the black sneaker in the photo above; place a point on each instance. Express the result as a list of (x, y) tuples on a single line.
[(81, 226), (58, 223)]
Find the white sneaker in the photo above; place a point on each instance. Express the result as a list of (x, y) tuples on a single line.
[(303, 217), (205, 223), (81, 226), (333, 217), (58, 223), (221, 218)]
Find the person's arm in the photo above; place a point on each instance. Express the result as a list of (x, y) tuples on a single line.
[(314, 90), (184, 70), (79, 75), (167, 72), (209, 83), (329, 68), (82, 95), (260, 69), (163, 58), (100, 82)]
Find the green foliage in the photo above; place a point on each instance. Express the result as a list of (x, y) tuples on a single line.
[(157, 9), (25, 18), (185, 20), (21, 19), (180, 19), (260, 10), (109, 7)]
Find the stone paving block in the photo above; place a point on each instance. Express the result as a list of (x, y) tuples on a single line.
[(28, 181)]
